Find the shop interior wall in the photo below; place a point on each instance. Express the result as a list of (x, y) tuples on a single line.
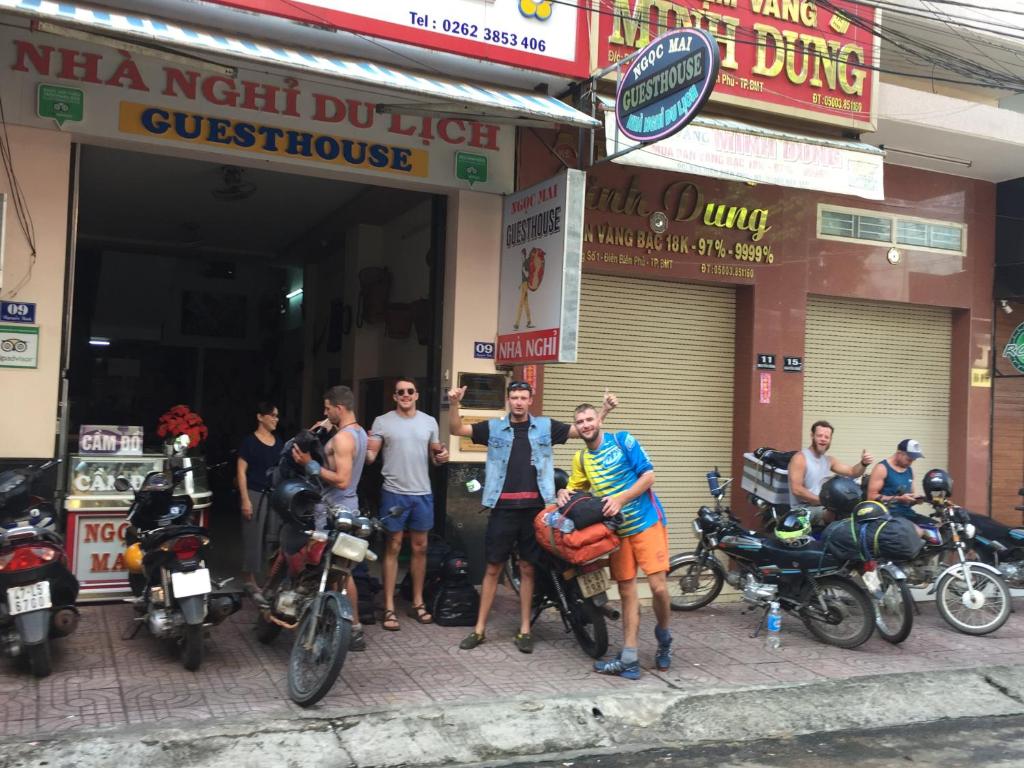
[(1007, 423), (771, 307), (41, 161), (343, 348)]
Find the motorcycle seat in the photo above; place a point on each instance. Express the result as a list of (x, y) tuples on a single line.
[(154, 538)]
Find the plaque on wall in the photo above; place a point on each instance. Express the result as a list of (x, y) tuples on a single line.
[(466, 443), (484, 391)]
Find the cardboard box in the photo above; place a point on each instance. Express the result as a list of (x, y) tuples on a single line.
[(764, 481)]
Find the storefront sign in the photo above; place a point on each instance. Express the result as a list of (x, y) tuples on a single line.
[(19, 346), (793, 364), (529, 34), (60, 103), (666, 85), (750, 154), (317, 124), (109, 440), (539, 289), (766, 362), (91, 476), (17, 312), (98, 545), (1014, 349), (814, 61)]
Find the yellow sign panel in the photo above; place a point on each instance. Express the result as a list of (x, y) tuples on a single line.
[(981, 377), (246, 136)]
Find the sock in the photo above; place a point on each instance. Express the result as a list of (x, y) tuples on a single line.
[(357, 627), (663, 635), (628, 656)]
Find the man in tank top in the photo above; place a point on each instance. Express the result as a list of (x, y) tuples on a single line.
[(892, 482), (346, 455), (810, 467)]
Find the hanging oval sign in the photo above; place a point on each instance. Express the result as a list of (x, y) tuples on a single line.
[(667, 84)]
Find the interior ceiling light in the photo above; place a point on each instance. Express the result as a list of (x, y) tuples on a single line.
[(234, 186)]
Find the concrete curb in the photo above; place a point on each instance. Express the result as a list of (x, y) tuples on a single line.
[(529, 729)]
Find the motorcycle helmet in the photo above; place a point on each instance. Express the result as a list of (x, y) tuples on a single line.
[(794, 530), (869, 510), (840, 495), (295, 501), (133, 558), (561, 479), (455, 567), (937, 484)]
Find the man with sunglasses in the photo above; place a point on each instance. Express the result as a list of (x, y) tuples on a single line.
[(519, 482), (411, 444)]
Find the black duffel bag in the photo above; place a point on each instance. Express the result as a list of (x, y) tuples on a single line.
[(884, 538), (773, 457), (586, 510)]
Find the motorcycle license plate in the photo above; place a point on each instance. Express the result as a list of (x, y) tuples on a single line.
[(33, 597), (195, 582), (593, 583)]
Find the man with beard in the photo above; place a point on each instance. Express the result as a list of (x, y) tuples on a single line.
[(616, 467), (810, 467)]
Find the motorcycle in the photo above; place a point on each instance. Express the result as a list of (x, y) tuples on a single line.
[(577, 592), (1000, 546), (305, 589), (805, 581), (971, 595), (37, 589), (173, 592)]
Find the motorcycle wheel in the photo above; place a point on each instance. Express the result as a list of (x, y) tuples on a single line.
[(312, 671), (894, 613), (590, 628), (39, 660), (511, 572), (851, 617), (192, 647), (694, 583), (985, 612), (266, 631)]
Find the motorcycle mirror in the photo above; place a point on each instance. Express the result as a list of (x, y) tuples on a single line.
[(121, 484)]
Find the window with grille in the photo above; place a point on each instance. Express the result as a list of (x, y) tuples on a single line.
[(872, 227)]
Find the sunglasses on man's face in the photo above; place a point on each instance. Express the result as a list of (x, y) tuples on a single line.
[(517, 386), (401, 392)]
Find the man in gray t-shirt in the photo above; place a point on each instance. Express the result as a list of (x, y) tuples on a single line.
[(411, 444)]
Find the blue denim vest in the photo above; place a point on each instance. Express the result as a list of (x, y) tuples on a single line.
[(499, 448)]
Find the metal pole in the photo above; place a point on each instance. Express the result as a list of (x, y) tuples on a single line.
[(69, 295)]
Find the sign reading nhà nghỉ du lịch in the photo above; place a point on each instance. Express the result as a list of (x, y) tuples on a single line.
[(539, 286), (545, 35), (794, 57), (666, 85)]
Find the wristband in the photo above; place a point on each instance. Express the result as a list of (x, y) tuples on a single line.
[(313, 468)]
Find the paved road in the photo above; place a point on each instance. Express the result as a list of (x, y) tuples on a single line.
[(988, 743)]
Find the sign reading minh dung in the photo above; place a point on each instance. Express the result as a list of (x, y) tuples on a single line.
[(666, 84), (539, 288)]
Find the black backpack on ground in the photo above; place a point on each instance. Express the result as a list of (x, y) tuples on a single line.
[(452, 600), (438, 551)]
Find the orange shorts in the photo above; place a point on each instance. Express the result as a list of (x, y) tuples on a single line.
[(647, 549)]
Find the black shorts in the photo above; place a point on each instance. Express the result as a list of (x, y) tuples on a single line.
[(508, 528)]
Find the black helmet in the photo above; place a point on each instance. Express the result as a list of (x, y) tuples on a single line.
[(870, 510), (455, 567), (840, 495), (561, 479), (937, 484), (708, 519), (295, 501), (794, 530)]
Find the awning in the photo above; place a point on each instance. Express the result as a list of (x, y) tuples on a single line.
[(737, 151), (412, 92)]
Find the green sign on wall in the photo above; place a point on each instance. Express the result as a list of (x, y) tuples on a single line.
[(60, 103), (1014, 350)]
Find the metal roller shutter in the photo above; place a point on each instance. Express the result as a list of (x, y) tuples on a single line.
[(666, 349), (878, 373)]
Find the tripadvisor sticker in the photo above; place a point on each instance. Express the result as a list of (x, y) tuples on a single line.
[(470, 167), (60, 103), (1014, 351)]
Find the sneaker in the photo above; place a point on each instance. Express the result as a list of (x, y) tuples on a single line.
[(524, 642), (471, 641), (617, 667), (663, 656), (358, 640)]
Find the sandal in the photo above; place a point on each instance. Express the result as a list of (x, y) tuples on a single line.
[(421, 614), (390, 621)]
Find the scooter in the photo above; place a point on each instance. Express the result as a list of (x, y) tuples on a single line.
[(37, 589), (173, 592)]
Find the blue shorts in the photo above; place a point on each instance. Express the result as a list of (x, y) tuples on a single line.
[(417, 511)]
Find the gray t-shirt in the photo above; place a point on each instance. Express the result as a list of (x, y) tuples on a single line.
[(406, 451)]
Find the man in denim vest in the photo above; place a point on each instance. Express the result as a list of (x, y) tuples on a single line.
[(520, 481)]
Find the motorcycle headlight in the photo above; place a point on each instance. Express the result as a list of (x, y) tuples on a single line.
[(969, 530)]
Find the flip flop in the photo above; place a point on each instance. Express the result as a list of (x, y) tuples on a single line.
[(421, 614), (390, 621)]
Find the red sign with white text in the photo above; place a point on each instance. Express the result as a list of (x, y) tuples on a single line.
[(790, 57), (538, 346), (532, 34)]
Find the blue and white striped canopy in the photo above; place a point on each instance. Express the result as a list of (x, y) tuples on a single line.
[(411, 89)]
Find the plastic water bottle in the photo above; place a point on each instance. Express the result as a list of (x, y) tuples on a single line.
[(773, 640), (563, 524)]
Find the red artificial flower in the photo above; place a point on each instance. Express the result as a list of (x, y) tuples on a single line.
[(181, 420)]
